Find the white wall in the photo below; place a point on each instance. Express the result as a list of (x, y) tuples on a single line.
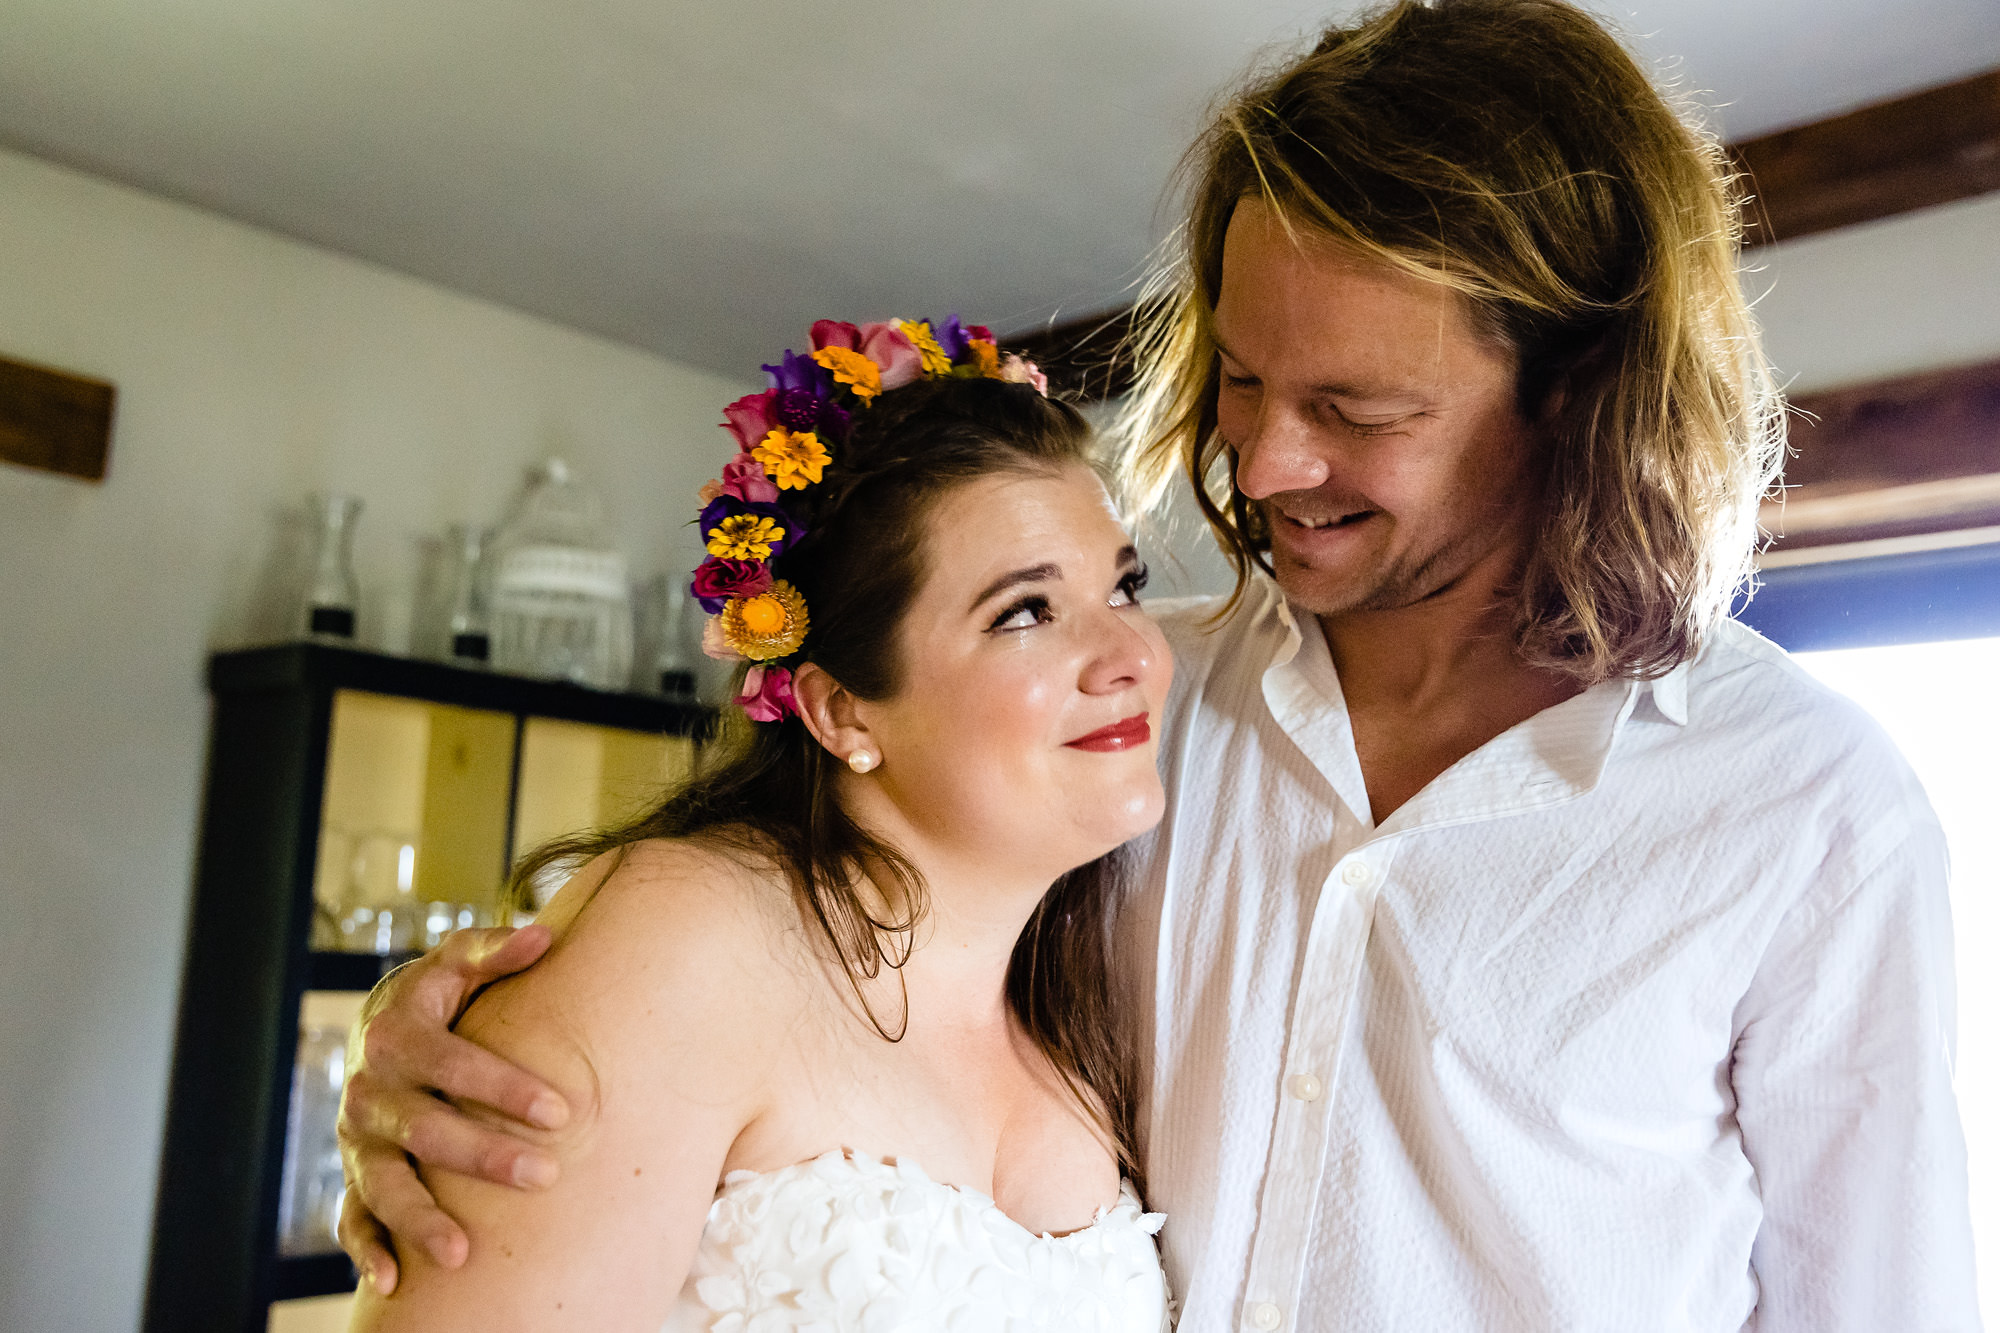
[(1916, 292), (250, 369)]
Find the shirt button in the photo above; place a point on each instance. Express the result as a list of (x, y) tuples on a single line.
[(1356, 873), (1305, 1087), (1265, 1315)]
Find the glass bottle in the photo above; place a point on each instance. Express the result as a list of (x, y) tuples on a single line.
[(333, 594), (561, 602), (470, 637)]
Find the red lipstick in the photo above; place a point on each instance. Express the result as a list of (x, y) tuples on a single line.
[(1118, 736)]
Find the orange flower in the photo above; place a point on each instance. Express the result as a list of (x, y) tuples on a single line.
[(851, 368), (792, 459), (768, 626)]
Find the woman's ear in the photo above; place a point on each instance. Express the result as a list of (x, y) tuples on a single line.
[(832, 714)]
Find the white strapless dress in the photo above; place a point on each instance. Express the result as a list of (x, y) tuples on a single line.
[(845, 1242)]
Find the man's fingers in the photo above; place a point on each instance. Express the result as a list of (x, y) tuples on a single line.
[(434, 1058), (389, 1188), (366, 1243), (487, 955), (442, 1138)]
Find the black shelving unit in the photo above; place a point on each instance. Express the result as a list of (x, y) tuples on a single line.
[(215, 1264)]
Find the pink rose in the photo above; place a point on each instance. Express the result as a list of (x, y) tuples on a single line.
[(767, 694), (1015, 370), (744, 477), (885, 345), (751, 418), (714, 645), (835, 333), (716, 581)]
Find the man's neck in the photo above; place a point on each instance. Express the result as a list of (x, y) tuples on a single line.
[(1428, 684)]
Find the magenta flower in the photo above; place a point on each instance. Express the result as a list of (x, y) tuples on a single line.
[(980, 333), (744, 478), (885, 345), (751, 418), (767, 694), (835, 333), (717, 580)]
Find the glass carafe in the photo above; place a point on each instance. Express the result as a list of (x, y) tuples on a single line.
[(333, 594)]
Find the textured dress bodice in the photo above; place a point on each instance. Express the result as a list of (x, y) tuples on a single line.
[(846, 1242)]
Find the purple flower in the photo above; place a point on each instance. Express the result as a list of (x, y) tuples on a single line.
[(716, 581), (798, 409), (952, 337), (800, 372)]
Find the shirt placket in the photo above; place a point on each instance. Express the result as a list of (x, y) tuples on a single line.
[(1329, 981)]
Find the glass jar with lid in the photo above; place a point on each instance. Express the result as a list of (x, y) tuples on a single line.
[(561, 602)]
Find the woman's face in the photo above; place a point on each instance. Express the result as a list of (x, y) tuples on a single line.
[(1032, 683)]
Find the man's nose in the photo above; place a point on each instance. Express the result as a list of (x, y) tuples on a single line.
[(1278, 454)]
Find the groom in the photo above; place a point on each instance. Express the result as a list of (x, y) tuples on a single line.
[(1526, 946)]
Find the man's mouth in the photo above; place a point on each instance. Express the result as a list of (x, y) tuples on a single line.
[(1322, 522)]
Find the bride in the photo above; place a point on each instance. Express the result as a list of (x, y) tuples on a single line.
[(833, 1019)]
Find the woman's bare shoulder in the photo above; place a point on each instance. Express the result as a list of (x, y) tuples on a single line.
[(682, 955)]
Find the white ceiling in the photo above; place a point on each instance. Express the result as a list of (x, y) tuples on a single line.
[(703, 179)]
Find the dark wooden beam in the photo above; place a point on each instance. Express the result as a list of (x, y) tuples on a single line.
[(55, 421), (1912, 455), (1927, 148)]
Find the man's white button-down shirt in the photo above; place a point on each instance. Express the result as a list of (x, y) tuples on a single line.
[(1640, 1017)]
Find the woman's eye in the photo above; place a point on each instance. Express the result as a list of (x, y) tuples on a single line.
[(1130, 587), (1024, 614)]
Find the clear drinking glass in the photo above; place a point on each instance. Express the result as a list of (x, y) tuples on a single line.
[(333, 594), (310, 1187), (673, 673)]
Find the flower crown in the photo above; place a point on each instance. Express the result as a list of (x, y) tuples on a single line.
[(787, 436)]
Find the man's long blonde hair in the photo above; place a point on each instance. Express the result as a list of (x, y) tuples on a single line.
[(1512, 151)]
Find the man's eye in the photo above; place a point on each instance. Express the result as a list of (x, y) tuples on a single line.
[(1024, 614), (1130, 587)]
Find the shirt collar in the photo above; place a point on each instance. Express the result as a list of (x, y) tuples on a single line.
[(1557, 755), (1670, 695)]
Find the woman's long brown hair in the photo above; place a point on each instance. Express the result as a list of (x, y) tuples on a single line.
[(766, 790)]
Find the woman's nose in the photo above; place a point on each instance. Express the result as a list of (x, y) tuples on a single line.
[(1126, 655), (1278, 454)]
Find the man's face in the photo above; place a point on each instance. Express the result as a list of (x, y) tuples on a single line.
[(1376, 430)]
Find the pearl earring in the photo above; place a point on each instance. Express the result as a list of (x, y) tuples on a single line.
[(861, 761)]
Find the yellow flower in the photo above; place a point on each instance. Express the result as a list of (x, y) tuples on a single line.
[(986, 357), (926, 343), (851, 368), (744, 537), (768, 626), (792, 459)]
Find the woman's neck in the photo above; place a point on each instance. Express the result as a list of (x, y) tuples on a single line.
[(974, 913)]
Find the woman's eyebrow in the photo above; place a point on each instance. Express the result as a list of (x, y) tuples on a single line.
[(1041, 573)]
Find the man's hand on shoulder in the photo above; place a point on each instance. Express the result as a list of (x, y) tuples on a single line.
[(403, 1061)]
